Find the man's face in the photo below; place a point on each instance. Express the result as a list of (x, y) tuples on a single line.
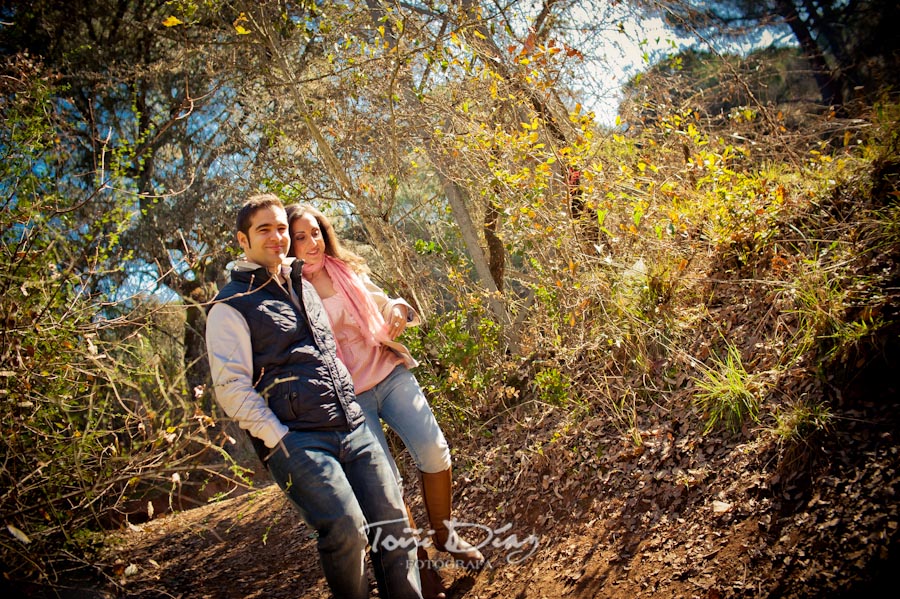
[(266, 242)]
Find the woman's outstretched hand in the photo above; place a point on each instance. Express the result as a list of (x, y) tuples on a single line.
[(397, 322)]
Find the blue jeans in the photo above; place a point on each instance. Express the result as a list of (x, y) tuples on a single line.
[(400, 402), (341, 482)]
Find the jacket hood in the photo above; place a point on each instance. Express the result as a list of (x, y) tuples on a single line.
[(247, 266)]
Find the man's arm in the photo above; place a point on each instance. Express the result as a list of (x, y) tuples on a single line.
[(231, 365)]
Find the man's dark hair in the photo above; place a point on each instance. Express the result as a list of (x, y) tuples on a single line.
[(250, 207)]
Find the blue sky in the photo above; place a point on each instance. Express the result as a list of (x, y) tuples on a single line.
[(626, 51)]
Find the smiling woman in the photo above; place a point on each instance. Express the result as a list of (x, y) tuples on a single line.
[(366, 324)]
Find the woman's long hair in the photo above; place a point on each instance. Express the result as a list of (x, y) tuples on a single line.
[(333, 246)]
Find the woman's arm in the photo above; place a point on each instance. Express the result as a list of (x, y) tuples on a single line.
[(388, 305)]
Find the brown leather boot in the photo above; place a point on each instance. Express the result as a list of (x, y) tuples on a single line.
[(432, 583), (436, 489)]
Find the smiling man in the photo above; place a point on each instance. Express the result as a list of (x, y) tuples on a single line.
[(275, 371)]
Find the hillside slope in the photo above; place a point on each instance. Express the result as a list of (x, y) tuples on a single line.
[(571, 503), (685, 517)]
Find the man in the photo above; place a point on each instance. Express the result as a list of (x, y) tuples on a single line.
[(275, 371)]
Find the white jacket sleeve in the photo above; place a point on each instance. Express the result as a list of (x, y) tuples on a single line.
[(231, 367)]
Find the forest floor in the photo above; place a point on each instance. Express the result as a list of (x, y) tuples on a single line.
[(680, 514)]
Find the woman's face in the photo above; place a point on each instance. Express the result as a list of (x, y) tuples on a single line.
[(306, 237)]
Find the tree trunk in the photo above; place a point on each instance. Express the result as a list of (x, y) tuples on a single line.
[(496, 251), (826, 79), (456, 196), (195, 360), (329, 158)]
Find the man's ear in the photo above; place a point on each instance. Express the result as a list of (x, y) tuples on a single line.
[(243, 241)]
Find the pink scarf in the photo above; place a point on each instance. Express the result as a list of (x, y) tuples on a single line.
[(362, 307)]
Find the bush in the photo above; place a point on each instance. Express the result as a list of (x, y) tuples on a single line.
[(92, 405)]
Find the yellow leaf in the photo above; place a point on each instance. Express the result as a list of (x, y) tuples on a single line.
[(172, 22), (479, 35), (18, 534), (242, 18)]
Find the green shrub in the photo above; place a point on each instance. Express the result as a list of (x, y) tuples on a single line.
[(92, 405), (727, 393)]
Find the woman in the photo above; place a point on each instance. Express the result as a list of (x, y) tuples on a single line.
[(366, 323)]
